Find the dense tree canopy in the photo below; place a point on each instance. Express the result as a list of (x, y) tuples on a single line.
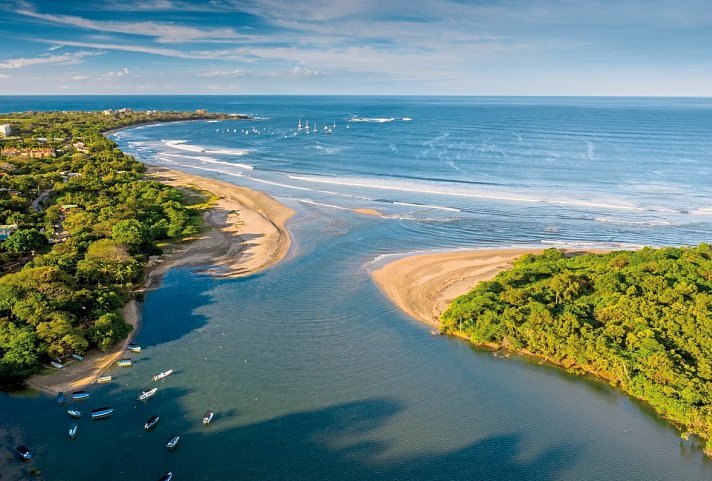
[(101, 218), (642, 320)]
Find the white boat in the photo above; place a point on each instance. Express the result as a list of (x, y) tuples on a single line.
[(124, 362), (73, 431), (75, 413), (134, 347), (103, 379), (78, 357), (208, 417), (299, 125), (166, 477), (163, 374), (173, 442), (406, 119), (147, 394), (56, 364)]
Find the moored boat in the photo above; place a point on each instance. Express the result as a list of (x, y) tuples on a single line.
[(56, 364), (60, 398), (24, 452), (208, 417), (162, 375), (101, 412), (166, 477), (124, 362), (151, 422), (134, 347), (79, 395), (73, 431), (75, 413), (78, 357), (147, 394), (103, 379), (172, 442)]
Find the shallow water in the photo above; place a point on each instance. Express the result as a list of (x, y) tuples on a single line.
[(312, 373)]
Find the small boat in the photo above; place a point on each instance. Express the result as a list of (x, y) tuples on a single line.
[(73, 431), (161, 375), (147, 394), (23, 452), (173, 442), (78, 357), (79, 395), (208, 417), (134, 348), (60, 398), (407, 119), (151, 422), (104, 379), (124, 362), (56, 364), (166, 477), (101, 412), (75, 413)]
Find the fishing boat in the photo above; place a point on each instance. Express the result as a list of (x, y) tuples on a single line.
[(147, 394), (151, 422), (78, 357), (208, 417), (172, 442), (163, 374), (124, 362), (166, 477), (56, 364), (73, 431), (134, 347), (101, 412), (75, 413), (104, 379), (79, 395), (60, 398), (23, 452)]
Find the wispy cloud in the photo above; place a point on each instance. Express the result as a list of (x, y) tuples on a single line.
[(163, 32), (293, 72), (63, 59), (4, 76)]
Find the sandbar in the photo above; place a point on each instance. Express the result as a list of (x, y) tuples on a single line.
[(424, 285)]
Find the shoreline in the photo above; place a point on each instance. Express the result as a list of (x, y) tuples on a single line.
[(246, 234)]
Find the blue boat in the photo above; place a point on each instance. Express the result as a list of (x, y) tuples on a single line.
[(60, 398), (101, 412), (78, 395), (23, 452)]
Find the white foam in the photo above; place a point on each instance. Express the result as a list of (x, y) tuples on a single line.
[(210, 160), (377, 120), (422, 189), (702, 211), (181, 145), (427, 206), (619, 221)]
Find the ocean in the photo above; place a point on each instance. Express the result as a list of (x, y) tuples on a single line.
[(312, 373)]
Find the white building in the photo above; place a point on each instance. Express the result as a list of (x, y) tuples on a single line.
[(5, 129)]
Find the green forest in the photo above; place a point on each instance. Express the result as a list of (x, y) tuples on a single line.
[(642, 320), (79, 220)]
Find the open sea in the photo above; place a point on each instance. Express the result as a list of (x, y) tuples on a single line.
[(312, 373)]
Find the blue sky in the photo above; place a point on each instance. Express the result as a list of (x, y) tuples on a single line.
[(431, 47)]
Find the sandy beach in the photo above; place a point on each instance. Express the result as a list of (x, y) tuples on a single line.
[(424, 285), (245, 233)]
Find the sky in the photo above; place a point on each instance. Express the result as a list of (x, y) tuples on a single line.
[(357, 47)]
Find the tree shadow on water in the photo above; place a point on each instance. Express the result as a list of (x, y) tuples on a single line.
[(337, 443)]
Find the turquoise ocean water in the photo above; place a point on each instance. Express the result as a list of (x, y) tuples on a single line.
[(312, 373)]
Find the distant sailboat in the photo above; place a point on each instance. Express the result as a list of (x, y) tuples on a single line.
[(299, 125)]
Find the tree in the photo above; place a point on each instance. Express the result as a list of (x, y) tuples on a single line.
[(23, 241)]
